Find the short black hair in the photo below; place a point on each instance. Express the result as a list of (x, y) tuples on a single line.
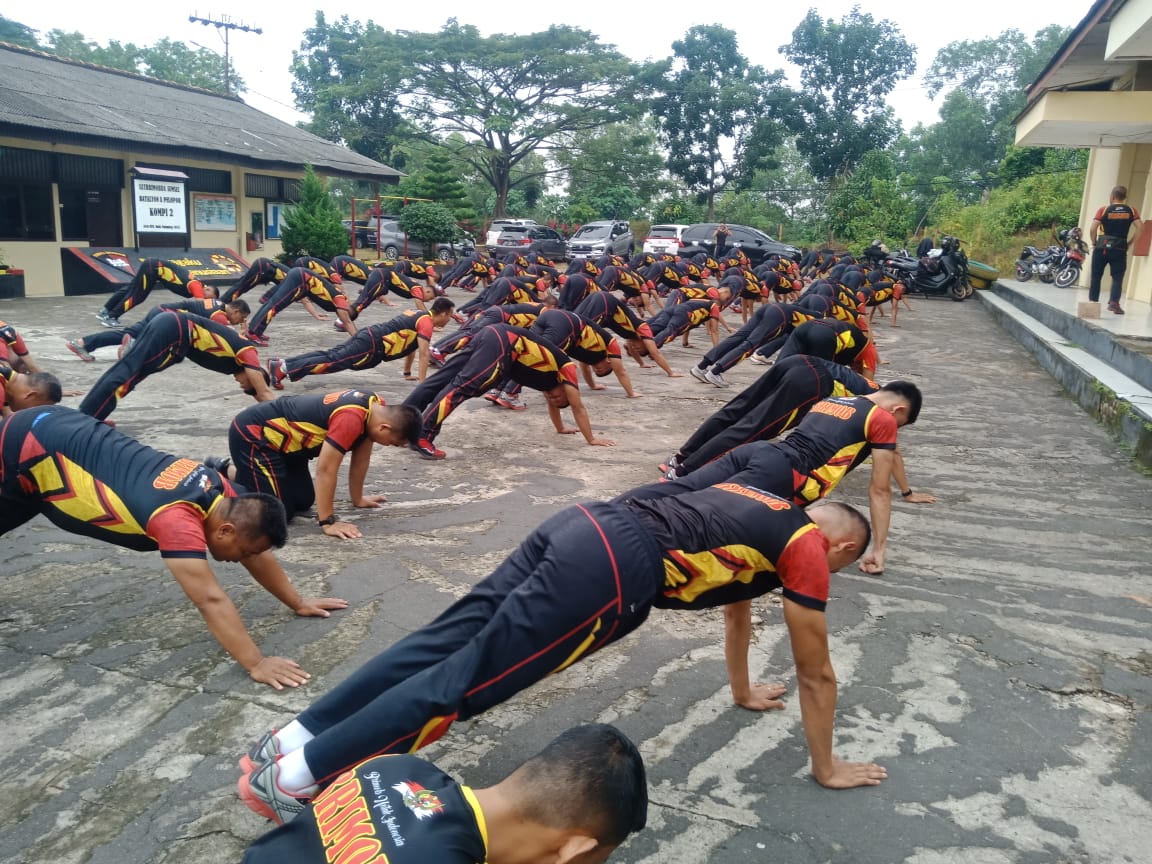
[(260, 515), (407, 421), (863, 528), (910, 393), (47, 385), (589, 779), (239, 305), (441, 305)]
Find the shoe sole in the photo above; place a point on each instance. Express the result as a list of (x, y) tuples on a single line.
[(254, 802), (77, 352), (246, 765)]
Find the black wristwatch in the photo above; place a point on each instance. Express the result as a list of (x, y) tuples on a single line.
[(902, 494), (331, 520)]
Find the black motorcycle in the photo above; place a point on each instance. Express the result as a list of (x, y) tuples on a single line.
[(943, 271), (1038, 262)]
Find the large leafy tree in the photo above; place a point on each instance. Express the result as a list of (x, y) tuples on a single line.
[(509, 96), (620, 166), (715, 114), (349, 76), (869, 205), (166, 60), (847, 68)]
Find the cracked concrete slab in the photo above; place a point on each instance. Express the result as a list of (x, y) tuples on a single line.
[(1001, 668)]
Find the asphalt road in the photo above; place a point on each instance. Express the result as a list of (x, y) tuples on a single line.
[(1001, 668)]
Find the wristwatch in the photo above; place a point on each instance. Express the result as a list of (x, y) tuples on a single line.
[(903, 494), (331, 520)]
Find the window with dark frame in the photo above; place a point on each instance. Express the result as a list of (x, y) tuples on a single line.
[(26, 211)]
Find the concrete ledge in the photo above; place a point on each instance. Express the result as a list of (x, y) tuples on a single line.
[(1095, 340), (1122, 405)]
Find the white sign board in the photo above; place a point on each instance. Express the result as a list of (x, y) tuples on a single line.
[(160, 206)]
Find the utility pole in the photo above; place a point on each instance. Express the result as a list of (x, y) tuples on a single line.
[(227, 25)]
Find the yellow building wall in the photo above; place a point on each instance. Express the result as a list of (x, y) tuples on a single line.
[(40, 259)]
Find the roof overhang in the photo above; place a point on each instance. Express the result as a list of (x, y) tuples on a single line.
[(1087, 119)]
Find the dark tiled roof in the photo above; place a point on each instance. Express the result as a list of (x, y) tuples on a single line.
[(48, 98)]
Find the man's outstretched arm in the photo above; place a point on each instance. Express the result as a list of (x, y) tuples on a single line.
[(816, 682)]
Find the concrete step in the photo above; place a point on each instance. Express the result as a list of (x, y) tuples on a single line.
[(1109, 381)]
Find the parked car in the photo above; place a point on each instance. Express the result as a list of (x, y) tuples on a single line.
[(499, 225), (751, 241), (602, 238), (664, 239), (394, 243), (531, 239)]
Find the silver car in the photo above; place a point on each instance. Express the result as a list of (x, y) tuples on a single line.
[(394, 243), (602, 238)]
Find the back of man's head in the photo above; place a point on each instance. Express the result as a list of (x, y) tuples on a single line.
[(441, 305), (239, 305), (259, 515), (839, 522), (47, 385), (405, 421), (590, 780), (910, 393)]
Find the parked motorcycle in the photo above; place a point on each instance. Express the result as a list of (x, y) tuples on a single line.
[(943, 271), (1038, 262), (1074, 250)]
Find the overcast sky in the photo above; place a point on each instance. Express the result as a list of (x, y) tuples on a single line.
[(641, 30)]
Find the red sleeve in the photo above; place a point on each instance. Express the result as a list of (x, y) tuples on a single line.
[(248, 358), (869, 357), (880, 429), (220, 317), (568, 375), (714, 311), (346, 427), (3, 394), (418, 293), (803, 569), (1099, 215), (424, 328), (178, 531)]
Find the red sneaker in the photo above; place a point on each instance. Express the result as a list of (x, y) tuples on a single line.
[(427, 449)]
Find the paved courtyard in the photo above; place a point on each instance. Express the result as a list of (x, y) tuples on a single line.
[(1001, 668)]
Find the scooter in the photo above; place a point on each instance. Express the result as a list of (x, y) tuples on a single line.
[(942, 271)]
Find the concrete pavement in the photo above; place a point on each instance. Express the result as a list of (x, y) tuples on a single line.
[(1001, 668)]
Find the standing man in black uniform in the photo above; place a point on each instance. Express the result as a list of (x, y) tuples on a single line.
[(169, 338), (1116, 221), (89, 479), (587, 577), (272, 443)]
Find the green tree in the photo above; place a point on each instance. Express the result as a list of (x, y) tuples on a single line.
[(429, 223), (676, 211), (711, 102), (622, 156), (17, 34), (313, 226), (869, 205), (349, 78), (439, 181), (166, 60), (508, 96), (847, 68)]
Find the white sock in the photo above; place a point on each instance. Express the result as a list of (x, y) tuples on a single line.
[(294, 776), (293, 737)]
